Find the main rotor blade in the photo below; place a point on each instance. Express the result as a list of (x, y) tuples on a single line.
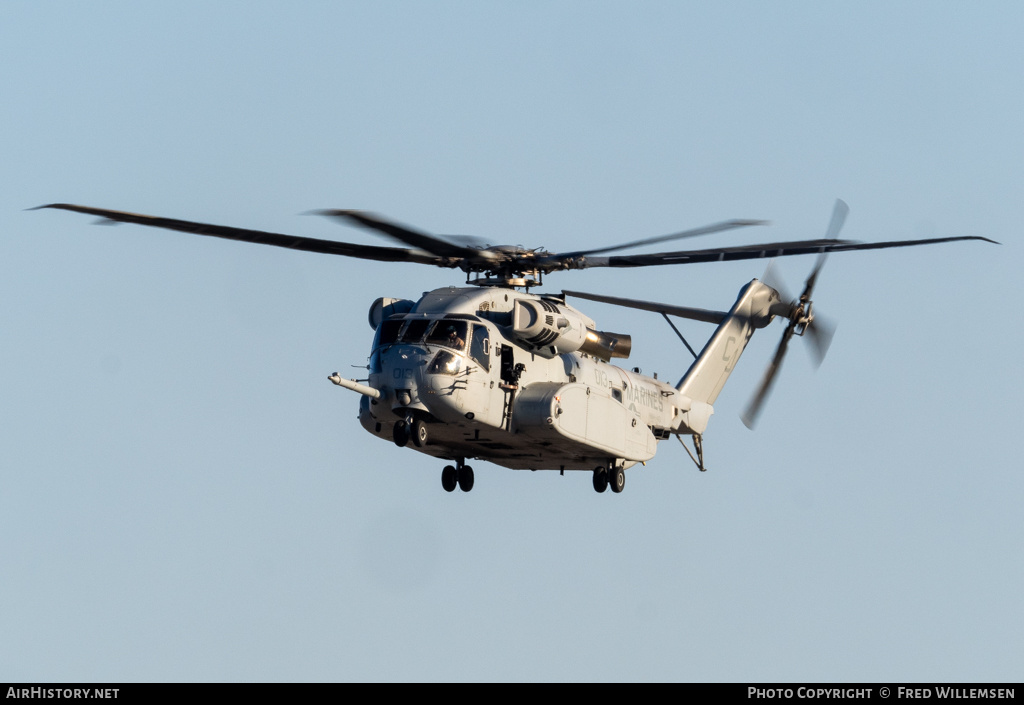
[(777, 249), (905, 243), (291, 242), (706, 230), (471, 241), (402, 233), (696, 314), (717, 254)]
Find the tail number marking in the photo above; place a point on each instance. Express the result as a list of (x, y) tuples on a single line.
[(728, 354)]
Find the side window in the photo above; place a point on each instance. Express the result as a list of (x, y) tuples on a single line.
[(480, 347)]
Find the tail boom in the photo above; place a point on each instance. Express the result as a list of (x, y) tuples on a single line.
[(755, 307)]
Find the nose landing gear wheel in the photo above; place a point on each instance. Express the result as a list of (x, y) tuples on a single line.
[(449, 478), (600, 479), (617, 480), (419, 433), (465, 476), (402, 433)]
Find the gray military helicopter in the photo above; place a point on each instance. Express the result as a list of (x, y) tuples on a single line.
[(492, 371)]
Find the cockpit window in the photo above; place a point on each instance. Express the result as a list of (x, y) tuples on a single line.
[(387, 333), (445, 363), (451, 334), (414, 333)]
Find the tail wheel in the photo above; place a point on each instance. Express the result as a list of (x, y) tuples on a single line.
[(618, 479), (449, 478)]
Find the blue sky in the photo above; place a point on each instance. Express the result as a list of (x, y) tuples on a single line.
[(185, 497)]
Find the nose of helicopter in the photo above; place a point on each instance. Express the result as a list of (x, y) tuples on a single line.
[(401, 376), (415, 378)]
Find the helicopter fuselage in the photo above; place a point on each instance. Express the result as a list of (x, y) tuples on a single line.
[(457, 362)]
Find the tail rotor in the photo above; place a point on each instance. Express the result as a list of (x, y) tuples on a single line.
[(802, 320)]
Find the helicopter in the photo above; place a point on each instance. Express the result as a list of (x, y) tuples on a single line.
[(492, 371)]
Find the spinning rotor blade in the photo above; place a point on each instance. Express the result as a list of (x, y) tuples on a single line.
[(776, 249), (706, 230), (839, 213), (771, 278), (291, 242), (471, 241), (812, 278), (718, 254), (829, 243), (820, 329), (403, 233), (904, 243), (821, 332), (506, 266), (800, 312), (749, 417)]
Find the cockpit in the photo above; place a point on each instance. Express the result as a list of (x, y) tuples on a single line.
[(450, 334), (457, 336)]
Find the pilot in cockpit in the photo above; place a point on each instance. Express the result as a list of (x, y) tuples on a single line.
[(453, 340)]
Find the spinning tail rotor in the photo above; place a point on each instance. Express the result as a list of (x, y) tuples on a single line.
[(802, 320)]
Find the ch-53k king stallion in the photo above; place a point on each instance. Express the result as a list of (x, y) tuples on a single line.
[(492, 371)]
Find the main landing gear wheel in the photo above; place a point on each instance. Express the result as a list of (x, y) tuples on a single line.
[(419, 433), (465, 476), (617, 480), (402, 433), (461, 477), (600, 479), (449, 478)]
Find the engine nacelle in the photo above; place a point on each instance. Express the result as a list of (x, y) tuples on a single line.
[(385, 306), (548, 329)]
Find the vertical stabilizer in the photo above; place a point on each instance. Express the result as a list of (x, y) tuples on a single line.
[(707, 375)]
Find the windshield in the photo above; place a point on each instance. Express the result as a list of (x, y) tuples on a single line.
[(451, 334), (414, 332), (387, 333)]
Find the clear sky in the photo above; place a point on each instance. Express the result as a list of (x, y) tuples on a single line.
[(185, 497)]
